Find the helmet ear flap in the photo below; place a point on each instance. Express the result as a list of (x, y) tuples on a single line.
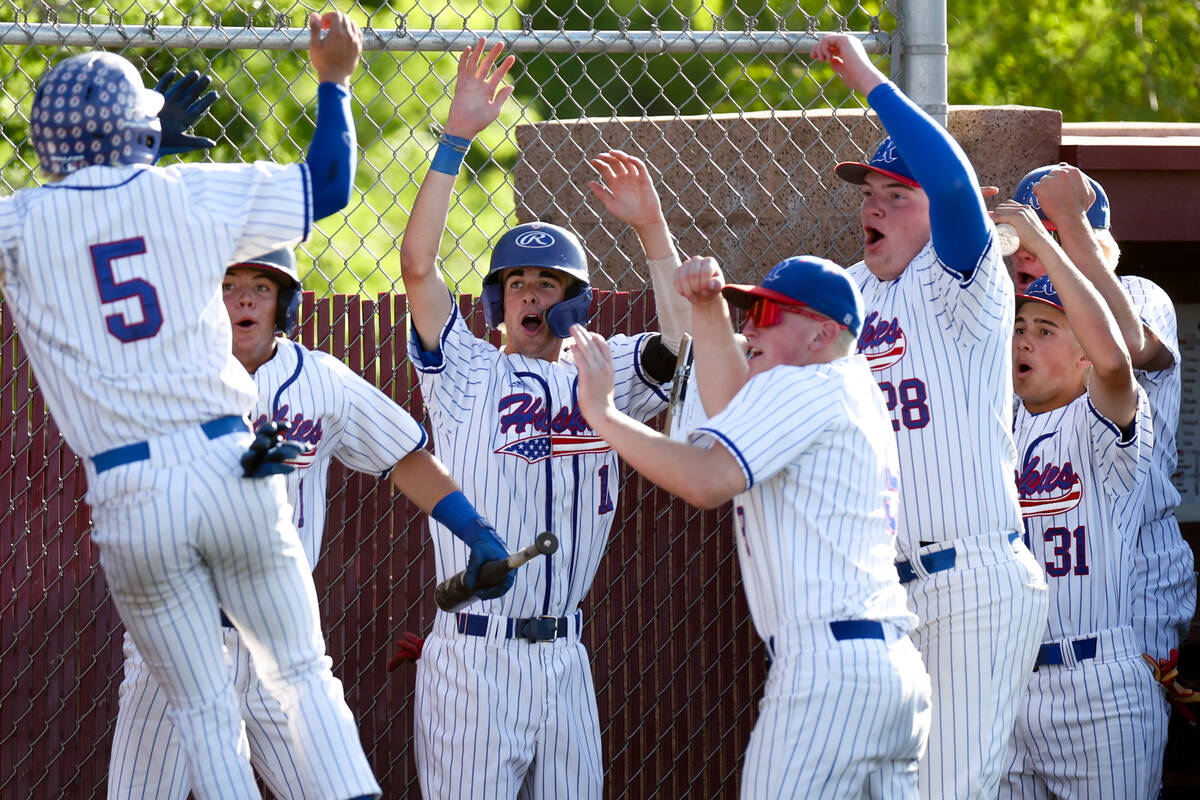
[(492, 297), (562, 315), (287, 311)]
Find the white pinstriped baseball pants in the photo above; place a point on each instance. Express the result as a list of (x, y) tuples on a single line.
[(839, 719), (980, 624), (182, 535)]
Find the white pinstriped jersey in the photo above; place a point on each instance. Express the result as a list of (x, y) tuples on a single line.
[(110, 326), (940, 350), (1081, 485), (815, 526), (333, 413), (1163, 389), (510, 431)]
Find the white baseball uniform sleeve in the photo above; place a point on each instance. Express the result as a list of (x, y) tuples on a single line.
[(332, 413)]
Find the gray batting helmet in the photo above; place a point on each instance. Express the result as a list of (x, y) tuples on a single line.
[(281, 264), (94, 109)]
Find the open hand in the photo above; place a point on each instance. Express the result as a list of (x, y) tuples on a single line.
[(593, 359), (478, 94), (626, 188)]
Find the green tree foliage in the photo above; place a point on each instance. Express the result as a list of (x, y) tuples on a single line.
[(1096, 60)]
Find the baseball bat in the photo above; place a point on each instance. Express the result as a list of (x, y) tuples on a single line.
[(453, 593)]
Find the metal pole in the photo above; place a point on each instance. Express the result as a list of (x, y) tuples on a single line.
[(919, 55), (779, 42)]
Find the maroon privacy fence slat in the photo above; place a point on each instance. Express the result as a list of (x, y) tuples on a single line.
[(676, 663)]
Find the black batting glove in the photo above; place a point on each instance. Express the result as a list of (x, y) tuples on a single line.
[(182, 106), (267, 453)]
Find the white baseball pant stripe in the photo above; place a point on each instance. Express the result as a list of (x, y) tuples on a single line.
[(981, 622), (182, 533), (839, 719), (1090, 729), (538, 695), (143, 729)]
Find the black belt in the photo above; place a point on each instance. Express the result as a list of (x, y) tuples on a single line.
[(533, 629), (140, 451), (1049, 654)]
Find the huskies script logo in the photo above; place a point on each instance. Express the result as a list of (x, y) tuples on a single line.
[(302, 431), (1047, 491), (882, 342), (886, 154), (565, 433)]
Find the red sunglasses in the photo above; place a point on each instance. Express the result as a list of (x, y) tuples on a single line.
[(765, 313)]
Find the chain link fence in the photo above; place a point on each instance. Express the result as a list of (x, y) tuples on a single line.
[(718, 96)]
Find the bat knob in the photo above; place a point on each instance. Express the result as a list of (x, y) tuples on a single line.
[(546, 543)]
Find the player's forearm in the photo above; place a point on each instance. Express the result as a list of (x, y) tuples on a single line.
[(1084, 251), (1088, 315), (423, 479), (719, 362), (429, 300), (693, 473), (674, 312), (334, 151)]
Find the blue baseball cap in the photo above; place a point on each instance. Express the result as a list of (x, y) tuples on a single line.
[(1098, 214), (886, 161), (816, 283), (1041, 291)]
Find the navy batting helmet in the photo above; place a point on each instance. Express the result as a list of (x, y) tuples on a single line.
[(93, 109), (1098, 214), (543, 246), (281, 265)]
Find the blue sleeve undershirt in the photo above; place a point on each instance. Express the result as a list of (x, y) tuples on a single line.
[(957, 216), (332, 154)]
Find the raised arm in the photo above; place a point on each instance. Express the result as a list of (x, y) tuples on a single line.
[(1112, 388), (478, 99), (627, 191), (335, 45), (704, 477), (1065, 195), (719, 362), (957, 215)]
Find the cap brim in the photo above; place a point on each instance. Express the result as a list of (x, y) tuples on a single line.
[(856, 172), (273, 269), (1028, 298), (741, 295)]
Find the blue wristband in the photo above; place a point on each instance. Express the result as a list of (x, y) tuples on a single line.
[(456, 513), (450, 153)]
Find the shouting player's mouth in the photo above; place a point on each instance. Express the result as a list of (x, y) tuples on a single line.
[(531, 323)]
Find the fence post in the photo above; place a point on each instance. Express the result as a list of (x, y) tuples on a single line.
[(919, 55)]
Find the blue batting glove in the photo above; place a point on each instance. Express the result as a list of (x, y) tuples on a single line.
[(456, 513), (182, 107), (487, 547)]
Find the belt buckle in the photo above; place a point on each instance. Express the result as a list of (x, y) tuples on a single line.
[(540, 629)]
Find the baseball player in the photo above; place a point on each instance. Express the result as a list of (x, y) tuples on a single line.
[(804, 448), (505, 705), (113, 276), (1075, 207), (1093, 723), (939, 310), (331, 413)]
